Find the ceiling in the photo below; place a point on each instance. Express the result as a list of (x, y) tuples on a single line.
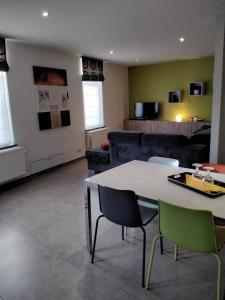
[(147, 30)]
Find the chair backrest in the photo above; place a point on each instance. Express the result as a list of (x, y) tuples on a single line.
[(120, 206), (164, 161), (191, 229)]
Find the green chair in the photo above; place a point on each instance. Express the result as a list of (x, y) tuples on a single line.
[(190, 229)]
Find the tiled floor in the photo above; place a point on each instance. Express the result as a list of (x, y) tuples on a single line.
[(43, 253)]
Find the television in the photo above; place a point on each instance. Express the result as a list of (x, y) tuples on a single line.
[(146, 110)]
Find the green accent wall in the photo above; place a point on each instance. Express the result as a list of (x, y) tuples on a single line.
[(152, 82)]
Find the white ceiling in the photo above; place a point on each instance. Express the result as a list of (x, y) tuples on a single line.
[(147, 30)]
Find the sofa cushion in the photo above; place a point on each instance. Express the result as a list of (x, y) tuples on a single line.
[(190, 154), (128, 151), (203, 139), (161, 144), (167, 140), (124, 146), (148, 151), (125, 136)]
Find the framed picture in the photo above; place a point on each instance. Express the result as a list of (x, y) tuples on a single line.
[(49, 76), (62, 97), (52, 97), (44, 98)]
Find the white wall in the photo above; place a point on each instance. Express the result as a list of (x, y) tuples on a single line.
[(217, 146), (115, 92), (67, 141)]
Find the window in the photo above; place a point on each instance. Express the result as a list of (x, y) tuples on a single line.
[(6, 132), (93, 104)]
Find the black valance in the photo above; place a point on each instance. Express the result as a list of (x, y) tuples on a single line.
[(3, 62), (92, 69)]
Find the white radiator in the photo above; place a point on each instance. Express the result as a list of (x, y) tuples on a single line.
[(12, 163), (95, 137)]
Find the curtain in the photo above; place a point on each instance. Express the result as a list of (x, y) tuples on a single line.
[(92, 69), (3, 62)]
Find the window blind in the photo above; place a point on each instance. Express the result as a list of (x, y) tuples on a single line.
[(6, 131), (92, 69), (93, 104)]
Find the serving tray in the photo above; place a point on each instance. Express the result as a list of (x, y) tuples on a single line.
[(180, 179)]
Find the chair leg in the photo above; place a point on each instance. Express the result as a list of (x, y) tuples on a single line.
[(151, 261), (95, 237), (123, 233), (218, 276), (161, 245), (175, 252), (143, 258)]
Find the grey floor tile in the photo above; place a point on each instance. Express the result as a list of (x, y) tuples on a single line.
[(23, 261), (43, 252), (67, 282)]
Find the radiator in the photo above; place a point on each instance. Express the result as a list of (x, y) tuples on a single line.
[(12, 163), (95, 137)]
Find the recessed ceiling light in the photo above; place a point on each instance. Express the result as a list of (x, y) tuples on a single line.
[(44, 13), (111, 52), (181, 39)]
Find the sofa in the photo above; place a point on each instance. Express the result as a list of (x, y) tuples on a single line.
[(129, 145)]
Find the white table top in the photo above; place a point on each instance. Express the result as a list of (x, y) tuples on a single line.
[(149, 180)]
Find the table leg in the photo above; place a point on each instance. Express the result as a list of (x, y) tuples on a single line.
[(88, 218)]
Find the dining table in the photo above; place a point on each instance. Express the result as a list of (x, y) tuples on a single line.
[(150, 183)]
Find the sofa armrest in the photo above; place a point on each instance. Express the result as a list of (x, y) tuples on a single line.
[(98, 159)]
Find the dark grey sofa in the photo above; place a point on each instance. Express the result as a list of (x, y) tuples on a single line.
[(129, 145)]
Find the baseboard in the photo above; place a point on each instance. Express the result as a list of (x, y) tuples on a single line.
[(19, 181)]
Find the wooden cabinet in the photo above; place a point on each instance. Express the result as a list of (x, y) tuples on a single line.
[(167, 127)]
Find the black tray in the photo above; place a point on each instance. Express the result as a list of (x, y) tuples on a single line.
[(179, 179)]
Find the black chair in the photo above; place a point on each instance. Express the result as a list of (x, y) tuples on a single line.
[(121, 207)]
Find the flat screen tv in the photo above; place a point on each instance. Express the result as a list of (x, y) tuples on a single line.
[(146, 110)]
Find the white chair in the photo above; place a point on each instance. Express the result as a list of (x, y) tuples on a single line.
[(164, 161)]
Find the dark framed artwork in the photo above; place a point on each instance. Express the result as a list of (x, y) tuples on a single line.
[(49, 76), (44, 119), (52, 97), (65, 117)]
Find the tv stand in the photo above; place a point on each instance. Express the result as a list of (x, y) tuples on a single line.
[(166, 127)]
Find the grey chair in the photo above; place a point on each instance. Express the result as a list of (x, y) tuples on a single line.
[(121, 207)]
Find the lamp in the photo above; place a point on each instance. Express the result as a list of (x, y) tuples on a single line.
[(179, 118)]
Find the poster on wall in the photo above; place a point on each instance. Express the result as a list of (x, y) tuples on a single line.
[(52, 97), (62, 98), (44, 98)]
